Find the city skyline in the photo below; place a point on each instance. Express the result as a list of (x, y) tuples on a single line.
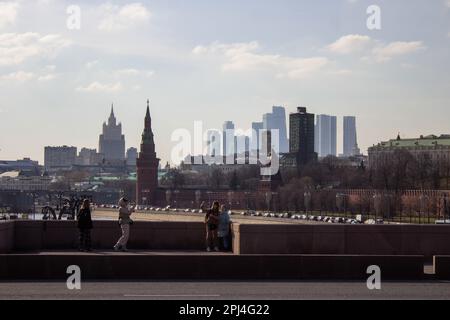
[(318, 55)]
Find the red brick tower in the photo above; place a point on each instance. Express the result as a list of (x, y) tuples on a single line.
[(147, 165)]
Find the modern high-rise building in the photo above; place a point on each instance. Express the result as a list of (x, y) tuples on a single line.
[(301, 142), (256, 132), (147, 165), (350, 137), (228, 138), (59, 158), (326, 135), (277, 121), (241, 144), (112, 141), (214, 143)]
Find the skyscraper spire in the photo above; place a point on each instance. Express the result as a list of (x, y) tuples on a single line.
[(112, 117)]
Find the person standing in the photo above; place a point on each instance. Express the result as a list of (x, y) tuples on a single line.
[(85, 226), (223, 232), (124, 221), (212, 223)]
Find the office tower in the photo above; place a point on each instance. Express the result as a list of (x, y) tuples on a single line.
[(326, 135), (256, 131), (301, 142), (277, 121), (350, 137), (241, 144), (213, 143), (59, 158), (228, 139), (147, 165), (132, 154), (112, 142)]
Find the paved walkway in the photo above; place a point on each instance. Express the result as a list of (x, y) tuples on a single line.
[(225, 290), (192, 217)]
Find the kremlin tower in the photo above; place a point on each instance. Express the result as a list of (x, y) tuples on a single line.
[(147, 165)]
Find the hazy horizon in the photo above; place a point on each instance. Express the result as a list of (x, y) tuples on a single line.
[(216, 61)]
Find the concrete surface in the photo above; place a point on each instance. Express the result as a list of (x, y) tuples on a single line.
[(205, 266), (174, 290)]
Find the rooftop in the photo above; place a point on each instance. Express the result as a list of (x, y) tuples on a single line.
[(422, 141)]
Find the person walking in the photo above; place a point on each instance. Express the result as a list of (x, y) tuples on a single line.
[(212, 223), (124, 221), (85, 226)]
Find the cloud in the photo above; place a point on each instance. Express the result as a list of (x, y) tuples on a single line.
[(447, 3), (394, 49), (135, 73), (373, 50), (15, 48), (8, 13), (47, 77), (100, 87), (350, 44), (91, 64), (19, 76), (245, 57), (118, 18)]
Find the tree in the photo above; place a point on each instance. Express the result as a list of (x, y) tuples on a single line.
[(216, 178), (234, 181), (175, 178)]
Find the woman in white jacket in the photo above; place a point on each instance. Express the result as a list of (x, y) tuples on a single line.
[(124, 222)]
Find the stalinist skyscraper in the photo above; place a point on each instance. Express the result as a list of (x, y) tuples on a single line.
[(147, 165), (112, 141)]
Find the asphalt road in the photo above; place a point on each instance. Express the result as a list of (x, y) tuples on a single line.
[(225, 291)]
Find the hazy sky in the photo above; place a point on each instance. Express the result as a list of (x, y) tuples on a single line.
[(218, 60)]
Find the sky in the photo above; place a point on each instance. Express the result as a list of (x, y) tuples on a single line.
[(212, 61)]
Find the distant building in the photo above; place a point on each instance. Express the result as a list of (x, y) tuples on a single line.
[(256, 132), (277, 121), (59, 158), (228, 138), (214, 143), (132, 154), (326, 135), (89, 157), (301, 142), (17, 181), (436, 147), (350, 137), (112, 141), (241, 144), (25, 165)]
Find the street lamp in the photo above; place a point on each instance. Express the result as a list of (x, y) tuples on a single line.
[(307, 200)]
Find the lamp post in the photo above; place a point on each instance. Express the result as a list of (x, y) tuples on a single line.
[(307, 199)]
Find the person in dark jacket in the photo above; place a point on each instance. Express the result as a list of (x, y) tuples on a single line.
[(85, 226), (212, 224)]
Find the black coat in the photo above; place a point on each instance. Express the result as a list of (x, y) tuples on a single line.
[(84, 219)]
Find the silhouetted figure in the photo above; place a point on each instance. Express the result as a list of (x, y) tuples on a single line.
[(85, 226)]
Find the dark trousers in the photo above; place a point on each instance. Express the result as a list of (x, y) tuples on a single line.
[(85, 239)]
